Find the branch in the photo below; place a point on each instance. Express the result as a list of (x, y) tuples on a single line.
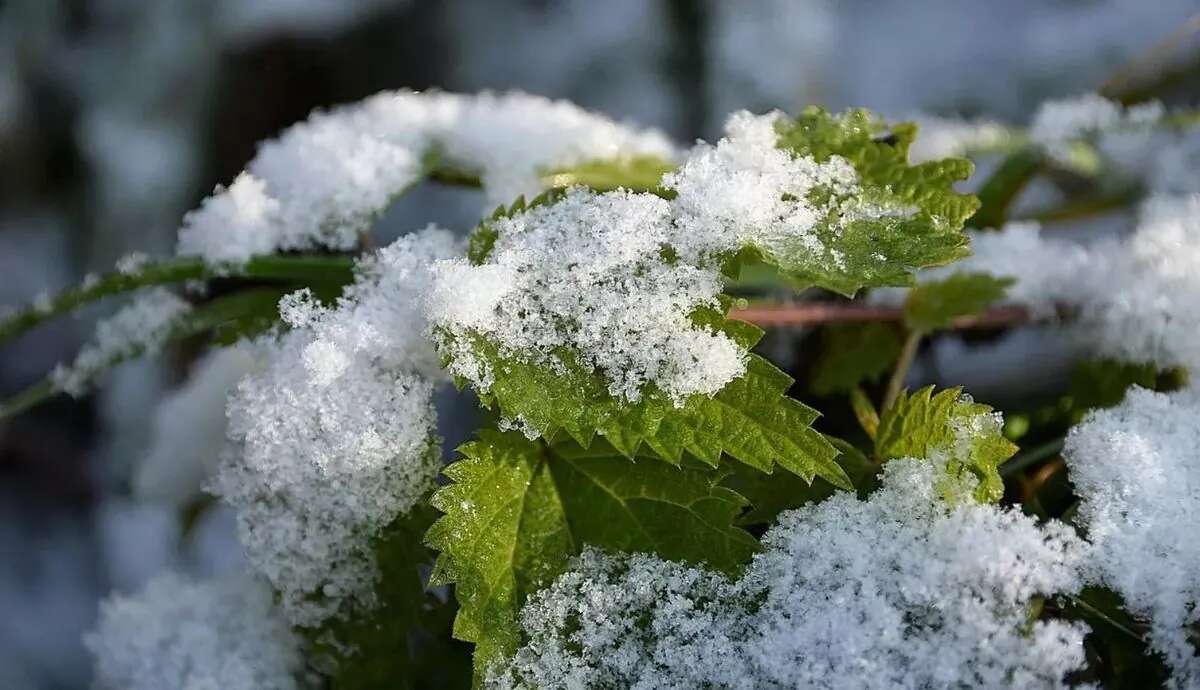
[(820, 313)]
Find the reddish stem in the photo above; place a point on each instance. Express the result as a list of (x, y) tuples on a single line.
[(817, 313)]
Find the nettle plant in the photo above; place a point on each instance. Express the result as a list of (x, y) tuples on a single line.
[(646, 503)]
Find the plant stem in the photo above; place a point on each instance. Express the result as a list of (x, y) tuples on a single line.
[(1086, 208), (896, 383), (1031, 457), (1083, 604), (205, 318), (299, 269), (1003, 186), (1124, 84), (818, 313)]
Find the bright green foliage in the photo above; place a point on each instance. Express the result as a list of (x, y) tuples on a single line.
[(751, 418), (922, 424), (854, 353), (926, 229), (935, 305), (635, 173), (518, 510)]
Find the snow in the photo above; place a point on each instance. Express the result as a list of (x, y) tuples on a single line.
[(1136, 468), (142, 326), (325, 180), (195, 636), (898, 591), (333, 433), (1135, 299)]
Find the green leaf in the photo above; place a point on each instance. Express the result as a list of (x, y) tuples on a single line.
[(1005, 184), (751, 418), (935, 305), (635, 173), (518, 510), (1098, 383), (771, 494), (334, 271), (854, 353), (922, 424), (926, 228)]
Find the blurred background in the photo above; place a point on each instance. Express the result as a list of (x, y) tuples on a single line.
[(118, 116)]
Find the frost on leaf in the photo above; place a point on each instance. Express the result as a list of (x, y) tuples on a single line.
[(897, 218), (901, 590), (1136, 468), (518, 510), (580, 313), (951, 429), (180, 634), (591, 274), (333, 436)]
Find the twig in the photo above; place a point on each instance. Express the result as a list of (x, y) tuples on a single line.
[(896, 383), (819, 313), (1122, 84)]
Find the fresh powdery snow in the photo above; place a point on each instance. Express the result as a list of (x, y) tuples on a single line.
[(944, 137), (1135, 299), (620, 302), (224, 634), (1136, 468), (325, 180), (638, 266), (333, 435), (142, 326), (898, 591), (746, 191), (188, 429), (1059, 123)]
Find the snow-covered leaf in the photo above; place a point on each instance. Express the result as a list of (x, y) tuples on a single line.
[(518, 510)]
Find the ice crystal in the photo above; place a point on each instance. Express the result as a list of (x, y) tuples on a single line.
[(747, 191)]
